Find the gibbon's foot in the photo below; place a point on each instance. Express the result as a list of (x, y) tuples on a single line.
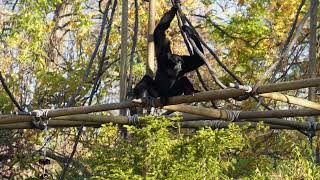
[(164, 101), (167, 113), (196, 91)]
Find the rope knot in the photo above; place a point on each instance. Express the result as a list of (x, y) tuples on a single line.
[(40, 118), (248, 89), (134, 120), (216, 124)]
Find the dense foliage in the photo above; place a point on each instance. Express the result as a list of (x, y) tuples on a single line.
[(46, 46), (163, 151)]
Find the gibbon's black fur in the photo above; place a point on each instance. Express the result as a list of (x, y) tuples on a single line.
[(169, 79)]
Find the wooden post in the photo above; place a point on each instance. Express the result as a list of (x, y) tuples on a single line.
[(150, 65), (312, 69), (188, 121), (124, 47)]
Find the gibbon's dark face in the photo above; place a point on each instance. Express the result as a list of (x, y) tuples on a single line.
[(175, 61)]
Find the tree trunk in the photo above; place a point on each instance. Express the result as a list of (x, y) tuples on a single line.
[(312, 68), (150, 67), (123, 60)]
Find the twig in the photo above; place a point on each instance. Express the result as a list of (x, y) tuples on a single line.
[(74, 149), (6, 88), (94, 54), (287, 46), (205, 87), (103, 57)]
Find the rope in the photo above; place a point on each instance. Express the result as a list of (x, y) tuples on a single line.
[(187, 21), (312, 126), (232, 115), (41, 113), (40, 118), (311, 132), (134, 120), (248, 89), (182, 19), (44, 161), (216, 124)]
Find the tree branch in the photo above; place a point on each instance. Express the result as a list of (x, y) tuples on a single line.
[(94, 54), (103, 57), (7, 90)]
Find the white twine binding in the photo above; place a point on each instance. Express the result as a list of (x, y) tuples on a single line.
[(247, 88), (40, 118), (232, 115), (134, 120), (216, 124)]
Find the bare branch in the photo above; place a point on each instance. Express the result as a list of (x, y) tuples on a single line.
[(6, 88), (103, 57), (94, 54)]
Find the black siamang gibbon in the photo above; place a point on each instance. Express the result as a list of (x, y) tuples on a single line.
[(169, 79)]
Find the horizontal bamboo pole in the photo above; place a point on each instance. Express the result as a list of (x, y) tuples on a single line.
[(243, 115), (94, 119), (68, 111), (202, 114), (206, 112), (97, 120), (233, 93), (51, 123), (291, 100), (202, 96), (288, 85), (278, 113), (185, 118), (216, 124), (269, 121)]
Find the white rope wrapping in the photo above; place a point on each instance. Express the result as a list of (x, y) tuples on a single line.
[(312, 125), (134, 120), (40, 118), (41, 113), (216, 124), (247, 88), (232, 115)]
